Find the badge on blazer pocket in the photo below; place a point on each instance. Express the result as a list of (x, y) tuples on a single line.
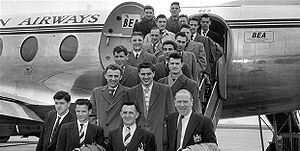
[(197, 138)]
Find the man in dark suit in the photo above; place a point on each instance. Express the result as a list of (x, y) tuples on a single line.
[(130, 75), (147, 22), (138, 55), (185, 128), (154, 47), (161, 68), (155, 102), (188, 57), (177, 80), (172, 22), (74, 135), (129, 137), (107, 100), (197, 49), (205, 22), (54, 120)]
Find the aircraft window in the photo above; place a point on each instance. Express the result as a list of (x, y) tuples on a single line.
[(68, 48), (29, 48), (1, 46)]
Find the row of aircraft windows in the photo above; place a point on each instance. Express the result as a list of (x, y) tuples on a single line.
[(67, 49)]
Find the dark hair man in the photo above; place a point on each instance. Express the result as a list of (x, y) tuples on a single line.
[(172, 22), (154, 47), (147, 22), (155, 102), (54, 120), (177, 80), (75, 135), (130, 136), (205, 23), (137, 55), (107, 100)]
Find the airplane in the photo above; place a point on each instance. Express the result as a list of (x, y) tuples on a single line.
[(258, 74)]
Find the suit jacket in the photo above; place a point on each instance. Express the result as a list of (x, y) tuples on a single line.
[(173, 25), (200, 129), (205, 41), (162, 70), (215, 37), (167, 35), (44, 144), (130, 77), (197, 49), (140, 136), (106, 108), (144, 56), (190, 59), (185, 83), (149, 48), (68, 138), (161, 104)]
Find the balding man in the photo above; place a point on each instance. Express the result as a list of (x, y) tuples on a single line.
[(187, 130)]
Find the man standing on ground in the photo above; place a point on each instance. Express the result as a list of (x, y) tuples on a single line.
[(54, 120)]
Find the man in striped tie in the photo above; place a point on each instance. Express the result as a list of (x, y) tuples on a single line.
[(129, 137), (77, 134)]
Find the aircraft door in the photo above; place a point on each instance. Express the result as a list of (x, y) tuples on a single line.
[(117, 30)]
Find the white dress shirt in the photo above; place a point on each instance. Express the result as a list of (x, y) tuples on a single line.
[(185, 122), (84, 127), (147, 95), (126, 131)]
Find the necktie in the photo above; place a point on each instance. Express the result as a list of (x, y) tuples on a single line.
[(81, 134), (111, 92), (146, 103), (204, 34), (136, 56), (55, 128), (126, 139), (192, 37), (178, 132)]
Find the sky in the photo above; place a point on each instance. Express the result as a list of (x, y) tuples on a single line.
[(8, 7)]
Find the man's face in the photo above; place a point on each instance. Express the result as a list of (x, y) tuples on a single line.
[(155, 36), (120, 58), (61, 106), (113, 77), (181, 42), (146, 75), (182, 21), (168, 48), (194, 26), (187, 32), (129, 114), (161, 23), (149, 14), (175, 65), (205, 23), (175, 10), (82, 113), (183, 103), (137, 42)]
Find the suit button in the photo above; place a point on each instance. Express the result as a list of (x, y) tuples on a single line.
[(106, 124)]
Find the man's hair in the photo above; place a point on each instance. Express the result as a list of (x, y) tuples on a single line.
[(175, 55), (62, 95), (185, 26), (146, 64), (182, 34), (183, 15), (84, 102), (114, 67), (194, 19), (148, 7), (130, 104), (119, 49), (175, 3), (170, 42), (160, 16), (204, 16), (154, 28), (137, 33), (184, 91)]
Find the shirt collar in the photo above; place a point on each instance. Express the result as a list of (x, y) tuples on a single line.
[(205, 32), (84, 124), (134, 53), (132, 127), (186, 116), (63, 116), (150, 87)]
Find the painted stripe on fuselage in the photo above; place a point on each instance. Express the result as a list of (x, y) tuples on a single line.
[(264, 23), (52, 29)]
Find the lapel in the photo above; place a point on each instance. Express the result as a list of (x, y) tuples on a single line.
[(131, 59), (154, 94), (189, 130), (185, 57), (106, 94), (142, 56), (126, 74), (75, 133), (135, 140), (119, 139), (178, 83), (89, 134), (139, 97), (50, 127), (117, 97)]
